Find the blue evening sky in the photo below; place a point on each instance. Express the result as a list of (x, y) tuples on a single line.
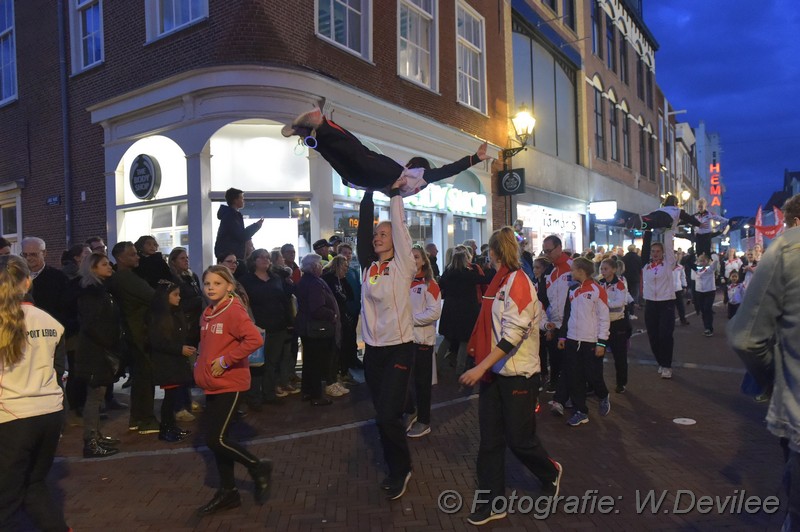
[(735, 64)]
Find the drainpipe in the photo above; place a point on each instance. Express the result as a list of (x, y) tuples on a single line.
[(62, 74)]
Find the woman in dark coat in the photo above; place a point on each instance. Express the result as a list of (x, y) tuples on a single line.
[(172, 357), (152, 266), (316, 307), (269, 301), (461, 306), (334, 275), (99, 349)]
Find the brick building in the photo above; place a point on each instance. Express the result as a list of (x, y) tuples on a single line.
[(587, 67), (202, 88)]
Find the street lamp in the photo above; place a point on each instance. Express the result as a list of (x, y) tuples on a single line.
[(523, 122), (746, 231), (685, 195)]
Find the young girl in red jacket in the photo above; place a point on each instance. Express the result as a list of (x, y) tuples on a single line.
[(227, 337)]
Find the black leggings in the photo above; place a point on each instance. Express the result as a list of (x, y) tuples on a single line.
[(171, 397), (354, 162), (220, 408), (423, 378)]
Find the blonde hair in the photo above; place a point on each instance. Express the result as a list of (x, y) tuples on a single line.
[(584, 264), (503, 244), (427, 270), (460, 261), (336, 264), (13, 332)]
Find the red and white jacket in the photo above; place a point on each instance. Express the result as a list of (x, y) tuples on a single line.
[(516, 312), (228, 332), (426, 307), (557, 284), (704, 278), (657, 278), (586, 316), (618, 297), (386, 317)]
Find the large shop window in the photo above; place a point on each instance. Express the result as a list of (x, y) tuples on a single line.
[(539, 222), (169, 224), (285, 222)]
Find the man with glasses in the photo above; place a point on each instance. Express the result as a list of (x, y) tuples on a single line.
[(557, 282), (96, 244), (49, 284)]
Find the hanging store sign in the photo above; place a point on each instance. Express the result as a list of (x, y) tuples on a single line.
[(715, 190), (145, 177)]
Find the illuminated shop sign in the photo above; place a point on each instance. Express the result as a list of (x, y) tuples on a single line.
[(443, 197), (715, 190)]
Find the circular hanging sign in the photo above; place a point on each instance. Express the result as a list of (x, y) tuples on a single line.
[(145, 177), (684, 421)]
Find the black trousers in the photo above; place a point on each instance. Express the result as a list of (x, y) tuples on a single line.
[(387, 371), (76, 387), (317, 354), (507, 419), (702, 242), (544, 360), (659, 319), (27, 447), (680, 305), (619, 333), (657, 220), (220, 408), (732, 308), (143, 387), (348, 355), (555, 358), (422, 377), (354, 162), (171, 398), (581, 367), (705, 305)]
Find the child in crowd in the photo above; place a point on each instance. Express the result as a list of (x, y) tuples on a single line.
[(172, 357), (426, 307), (620, 328), (705, 291), (360, 167), (735, 294), (227, 337), (583, 337), (679, 275)]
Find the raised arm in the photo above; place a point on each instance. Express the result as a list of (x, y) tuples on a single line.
[(448, 170), (366, 219), (400, 237)]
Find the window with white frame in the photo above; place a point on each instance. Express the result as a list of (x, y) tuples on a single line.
[(10, 217), (470, 48), (346, 23), (86, 36), (417, 41), (168, 16), (8, 52)]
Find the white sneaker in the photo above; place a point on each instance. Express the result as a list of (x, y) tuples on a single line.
[(666, 373), (660, 370), (342, 389), (333, 391)]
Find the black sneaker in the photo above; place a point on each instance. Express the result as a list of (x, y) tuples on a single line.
[(223, 500), (483, 514), (386, 484), (551, 489), (398, 487), (172, 434), (262, 480), (551, 387), (149, 427), (619, 389), (93, 449)]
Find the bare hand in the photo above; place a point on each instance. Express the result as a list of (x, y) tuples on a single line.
[(216, 368), (599, 351), (471, 377), (562, 344), (482, 152), (399, 183), (188, 350)]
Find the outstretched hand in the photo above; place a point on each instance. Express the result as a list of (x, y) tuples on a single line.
[(482, 152), (400, 182)]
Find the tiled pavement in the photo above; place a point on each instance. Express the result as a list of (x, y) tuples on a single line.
[(328, 461)]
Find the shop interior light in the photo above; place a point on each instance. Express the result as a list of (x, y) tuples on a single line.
[(685, 195), (603, 210)]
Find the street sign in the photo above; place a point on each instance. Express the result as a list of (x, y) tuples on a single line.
[(53, 200), (512, 181)]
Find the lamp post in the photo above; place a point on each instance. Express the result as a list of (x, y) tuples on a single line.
[(747, 234), (523, 123)]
